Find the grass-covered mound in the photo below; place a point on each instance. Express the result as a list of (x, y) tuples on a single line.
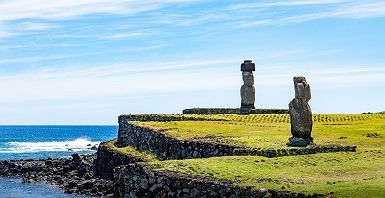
[(346, 174), (360, 174), (273, 130)]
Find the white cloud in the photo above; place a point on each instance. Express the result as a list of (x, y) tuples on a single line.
[(329, 77), (43, 10), (355, 11), (11, 47), (338, 9), (111, 81), (127, 80), (362, 10), (34, 59), (4, 34), (32, 26), (121, 36), (243, 6), (237, 15), (273, 12), (48, 9)]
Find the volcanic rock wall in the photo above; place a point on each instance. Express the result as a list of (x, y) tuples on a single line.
[(107, 159), (165, 147), (141, 180)]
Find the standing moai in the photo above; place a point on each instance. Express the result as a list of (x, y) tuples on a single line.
[(300, 114), (247, 89)]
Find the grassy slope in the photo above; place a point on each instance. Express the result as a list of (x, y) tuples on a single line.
[(273, 131), (360, 174), (346, 174)]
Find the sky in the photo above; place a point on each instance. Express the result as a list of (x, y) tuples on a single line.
[(86, 62)]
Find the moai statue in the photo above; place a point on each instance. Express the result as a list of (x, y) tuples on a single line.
[(300, 114), (247, 89)]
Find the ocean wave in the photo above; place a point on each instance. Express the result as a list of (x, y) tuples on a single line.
[(77, 145)]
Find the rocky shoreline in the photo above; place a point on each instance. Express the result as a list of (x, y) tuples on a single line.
[(131, 178), (74, 175)]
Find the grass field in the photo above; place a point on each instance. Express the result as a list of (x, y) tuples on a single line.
[(346, 174), (273, 131), (360, 174)]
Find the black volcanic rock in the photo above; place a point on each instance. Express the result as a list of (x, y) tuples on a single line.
[(74, 175)]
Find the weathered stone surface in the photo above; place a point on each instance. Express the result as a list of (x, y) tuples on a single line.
[(74, 175), (248, 66), (107, 159), (301, 114), (209, 111), (247, 91), (164, 118), (129, 181)]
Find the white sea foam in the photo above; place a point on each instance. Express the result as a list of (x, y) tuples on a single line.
[(79, 144)]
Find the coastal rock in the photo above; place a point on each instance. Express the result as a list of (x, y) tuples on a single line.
[(86, 185), (94, 148), (137, 180), (74, 175), (301, 114), (75, 160)]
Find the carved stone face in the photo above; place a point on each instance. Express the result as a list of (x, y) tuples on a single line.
[(302, 89), (248, 78)]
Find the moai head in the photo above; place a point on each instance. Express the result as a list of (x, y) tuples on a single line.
[(248, 78), (302, 89)]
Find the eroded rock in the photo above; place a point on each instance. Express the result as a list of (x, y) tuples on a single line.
[(74, 175), (301, 114)]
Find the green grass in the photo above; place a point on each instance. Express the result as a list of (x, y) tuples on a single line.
[(346, 174), (360, 174), (273, 131), (133, 152)]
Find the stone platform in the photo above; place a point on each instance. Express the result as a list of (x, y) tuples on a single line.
[(234, 111)]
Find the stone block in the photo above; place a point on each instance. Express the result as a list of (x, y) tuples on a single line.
[(248, 66)]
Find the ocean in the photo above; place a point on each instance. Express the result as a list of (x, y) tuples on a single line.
[(41, 142)]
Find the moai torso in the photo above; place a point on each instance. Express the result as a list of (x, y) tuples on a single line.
[(300, 112), (247, 89)]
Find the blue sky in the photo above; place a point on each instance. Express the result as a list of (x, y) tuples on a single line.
[(88, 61)]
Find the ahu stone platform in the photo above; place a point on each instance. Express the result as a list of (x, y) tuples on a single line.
[(133, 174), (234, 111), (166, 147)]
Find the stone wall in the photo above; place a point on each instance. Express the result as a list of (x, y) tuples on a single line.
[(140, 180), (164, 118), (166, 147), (107, 159), (234, 111)]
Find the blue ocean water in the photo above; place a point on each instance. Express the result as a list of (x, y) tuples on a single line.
[(41, 142), (14, 188), (37, 142)]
